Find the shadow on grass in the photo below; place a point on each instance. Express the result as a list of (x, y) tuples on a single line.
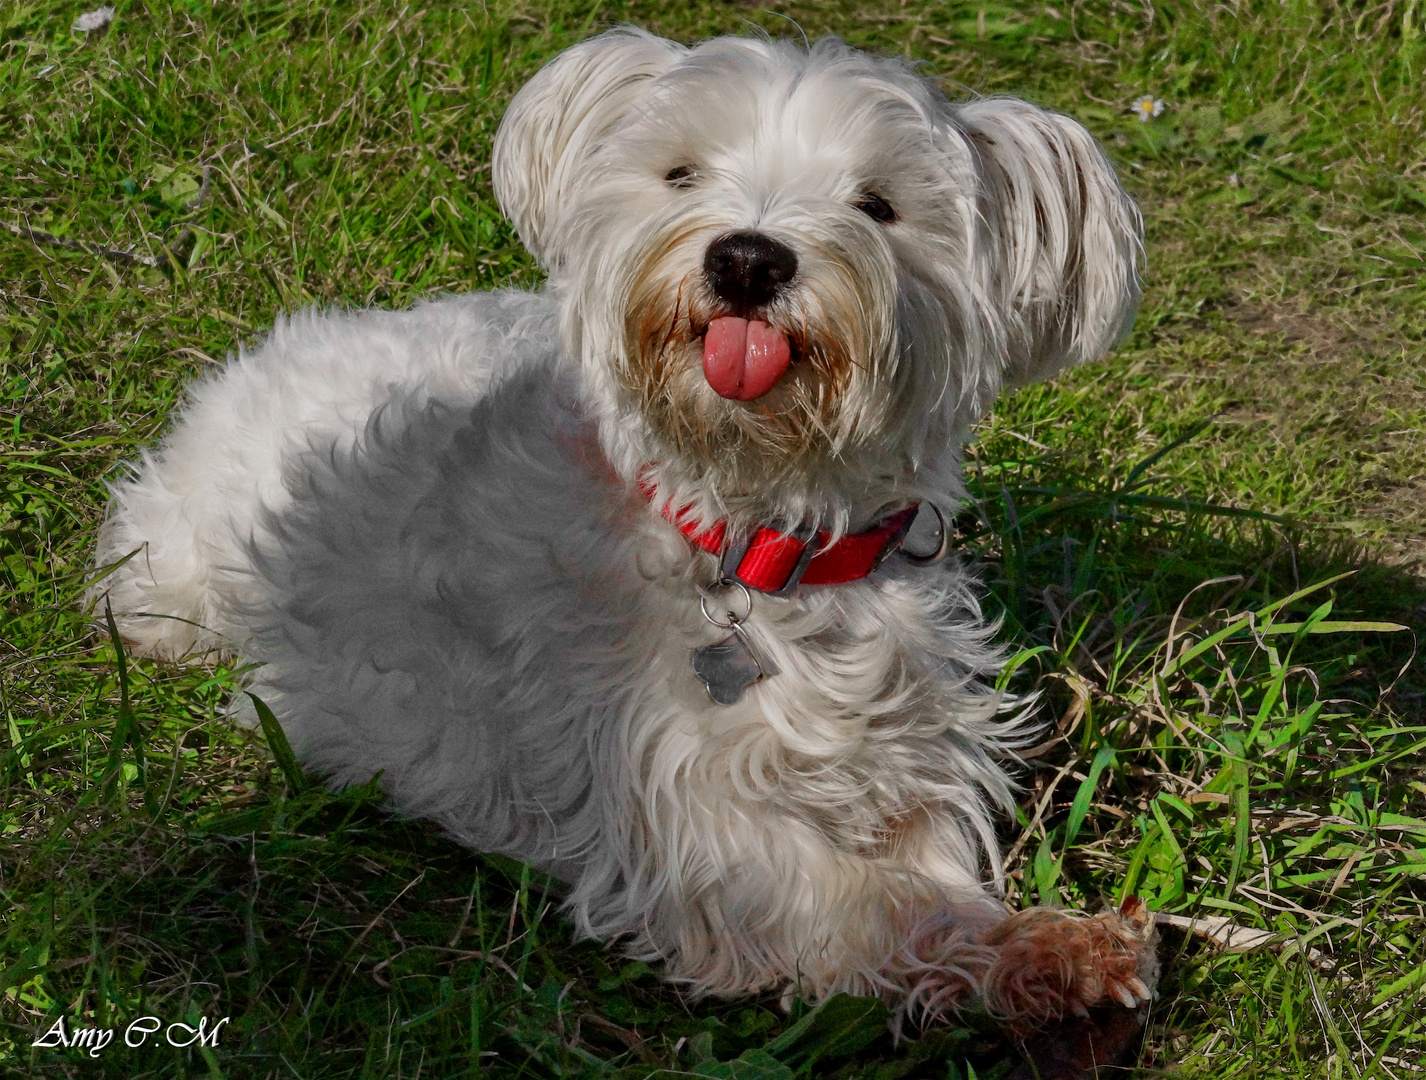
[(337, 940)]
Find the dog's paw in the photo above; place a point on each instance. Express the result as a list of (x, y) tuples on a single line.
[(1054, 964)]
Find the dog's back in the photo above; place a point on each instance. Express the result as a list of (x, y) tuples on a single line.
[(185, 511)]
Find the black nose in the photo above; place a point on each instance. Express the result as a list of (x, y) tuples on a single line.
[(748, 269)]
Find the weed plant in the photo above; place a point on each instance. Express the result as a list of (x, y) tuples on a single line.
[(1205, 549)]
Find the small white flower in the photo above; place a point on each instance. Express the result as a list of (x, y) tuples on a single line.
[(94, 20), (1148, 107)]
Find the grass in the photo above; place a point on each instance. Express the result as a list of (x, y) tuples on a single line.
[(1233, 729)]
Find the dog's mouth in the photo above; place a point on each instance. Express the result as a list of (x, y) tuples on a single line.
[(743, 359), (775, 386)]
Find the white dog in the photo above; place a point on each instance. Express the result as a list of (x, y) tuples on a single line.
[(594, 576)]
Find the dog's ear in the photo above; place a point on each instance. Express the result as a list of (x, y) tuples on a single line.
[(1065, 240), (559, 117)]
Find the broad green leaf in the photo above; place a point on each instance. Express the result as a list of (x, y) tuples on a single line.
[(839, 1026), (749, 1065)]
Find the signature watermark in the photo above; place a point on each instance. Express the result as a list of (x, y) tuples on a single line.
[(137, 1033)]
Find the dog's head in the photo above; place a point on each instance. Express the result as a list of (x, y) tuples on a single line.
[(797, 276)]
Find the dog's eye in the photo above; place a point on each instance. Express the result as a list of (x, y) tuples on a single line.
[(874, 206), (681, 176)]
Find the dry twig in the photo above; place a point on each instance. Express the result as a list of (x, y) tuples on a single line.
[(1236, 938), (38, 237)]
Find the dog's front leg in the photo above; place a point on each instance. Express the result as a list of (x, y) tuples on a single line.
[(753, 901), (758, 900)]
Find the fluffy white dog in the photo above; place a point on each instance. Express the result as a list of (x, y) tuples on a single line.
[(606, 577)]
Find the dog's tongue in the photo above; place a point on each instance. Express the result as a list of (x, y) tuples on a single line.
[(743, 359)]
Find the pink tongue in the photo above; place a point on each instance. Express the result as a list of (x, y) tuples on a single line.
[(743, 360)]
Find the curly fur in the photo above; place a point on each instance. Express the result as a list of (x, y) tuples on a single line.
[(425, 529)]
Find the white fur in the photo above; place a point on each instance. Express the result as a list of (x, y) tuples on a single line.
[(426, 527)]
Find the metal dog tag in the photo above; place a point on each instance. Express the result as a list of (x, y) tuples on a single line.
[(726, 668), (730, 666)]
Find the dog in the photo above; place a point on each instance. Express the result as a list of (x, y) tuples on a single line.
[(636, 577)]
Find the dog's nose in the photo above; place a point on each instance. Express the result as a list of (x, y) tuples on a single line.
[(748, 269)]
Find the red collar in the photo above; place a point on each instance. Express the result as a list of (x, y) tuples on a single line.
[(773, 561)]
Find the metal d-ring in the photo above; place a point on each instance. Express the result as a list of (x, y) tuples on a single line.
[(734, 619), (941, 549)]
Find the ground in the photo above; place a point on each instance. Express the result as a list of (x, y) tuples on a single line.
[(1234, 729)]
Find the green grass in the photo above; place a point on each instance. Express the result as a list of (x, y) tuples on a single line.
[(1269, 770)]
